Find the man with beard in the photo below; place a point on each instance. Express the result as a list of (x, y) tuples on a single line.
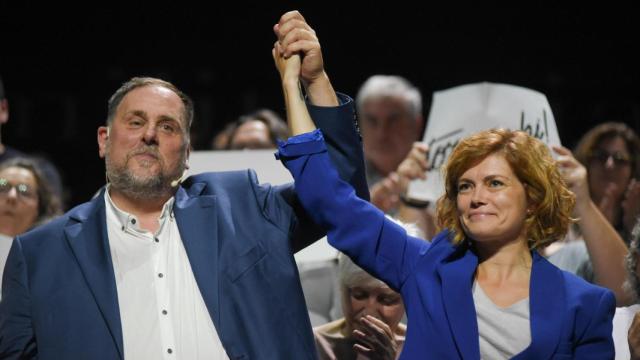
[(155, 267)]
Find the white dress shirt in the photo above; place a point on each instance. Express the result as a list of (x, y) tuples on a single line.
[(162, 312)]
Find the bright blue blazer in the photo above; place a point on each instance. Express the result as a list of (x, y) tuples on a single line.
[(59, 295), (569, 317)]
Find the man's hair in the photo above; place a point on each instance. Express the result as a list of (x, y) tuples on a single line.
[(138, 82), (2, 94), (605, 131), (632, 284), (49, 202), (531, 162), (381, 86)]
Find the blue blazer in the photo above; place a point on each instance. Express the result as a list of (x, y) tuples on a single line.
[(569, 317), (59, 292)]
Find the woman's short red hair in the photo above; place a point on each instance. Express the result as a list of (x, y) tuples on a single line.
[(550, 199)]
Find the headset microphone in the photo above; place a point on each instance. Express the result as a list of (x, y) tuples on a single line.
[(177, 182)]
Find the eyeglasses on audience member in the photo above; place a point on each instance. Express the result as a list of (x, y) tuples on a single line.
[(602, 156), (23, 191)]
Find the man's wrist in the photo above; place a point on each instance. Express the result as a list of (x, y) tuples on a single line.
[(320, 91)]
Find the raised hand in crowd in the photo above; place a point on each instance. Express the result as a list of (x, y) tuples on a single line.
[(606, 248), (386, 194)]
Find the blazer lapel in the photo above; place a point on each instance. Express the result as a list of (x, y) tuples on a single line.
[(547, 301), (199, 232), (457, 277), (90, 245)]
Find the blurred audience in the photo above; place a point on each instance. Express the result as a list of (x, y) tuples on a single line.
[(257, 130), (390, 117), (27, 199), (626, 322), (611, 153), (6, 152), (371, 327), (605, 162), (372, 313)]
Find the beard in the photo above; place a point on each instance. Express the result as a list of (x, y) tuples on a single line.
[(147, 186)]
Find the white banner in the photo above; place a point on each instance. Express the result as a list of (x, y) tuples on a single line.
[(463, 110)]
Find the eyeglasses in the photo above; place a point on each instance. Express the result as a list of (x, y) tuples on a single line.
[(601, 156), (24, 191)]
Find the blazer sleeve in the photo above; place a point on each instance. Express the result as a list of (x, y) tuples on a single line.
[(342, 136), (17, 339), (596, 341), (345, 150), (353, 225)]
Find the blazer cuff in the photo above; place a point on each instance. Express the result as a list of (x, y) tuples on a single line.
[(303, 144)]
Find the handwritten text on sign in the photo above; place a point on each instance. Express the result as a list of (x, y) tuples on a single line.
[(461, 111)]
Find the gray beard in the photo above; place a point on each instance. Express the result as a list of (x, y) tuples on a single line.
[(152, 187)]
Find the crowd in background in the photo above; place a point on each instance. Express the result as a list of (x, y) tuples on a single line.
[(603, 172)]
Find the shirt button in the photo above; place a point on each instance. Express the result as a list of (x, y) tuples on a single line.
[(164, 312), (157, 240), (169, 350), (160, 275), (133, 221)]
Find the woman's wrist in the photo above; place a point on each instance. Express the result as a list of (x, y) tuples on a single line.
[(583, 206), (291, 84)]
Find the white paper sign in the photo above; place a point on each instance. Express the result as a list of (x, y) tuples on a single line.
[(463, 110), (269, 170)]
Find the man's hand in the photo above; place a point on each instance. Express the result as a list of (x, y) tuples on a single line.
[(377, 341), (295, 36)]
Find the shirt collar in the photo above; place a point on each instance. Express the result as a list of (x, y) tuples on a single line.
[(126, 220)]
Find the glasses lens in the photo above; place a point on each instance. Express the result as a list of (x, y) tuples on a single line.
[(619, 159), (24, 191), (4, 186)]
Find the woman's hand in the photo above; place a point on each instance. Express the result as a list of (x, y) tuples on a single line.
[(378, 341), (288, 67)]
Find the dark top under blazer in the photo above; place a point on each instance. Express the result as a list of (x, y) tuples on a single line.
[(569, 317), (59, 290)]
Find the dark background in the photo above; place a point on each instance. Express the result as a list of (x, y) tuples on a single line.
[(60, 65)]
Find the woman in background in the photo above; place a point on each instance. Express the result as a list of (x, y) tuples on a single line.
[(26, 200)]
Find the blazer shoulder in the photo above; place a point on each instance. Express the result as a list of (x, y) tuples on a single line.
[(55, 227), (584, 294), (217, 181)]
